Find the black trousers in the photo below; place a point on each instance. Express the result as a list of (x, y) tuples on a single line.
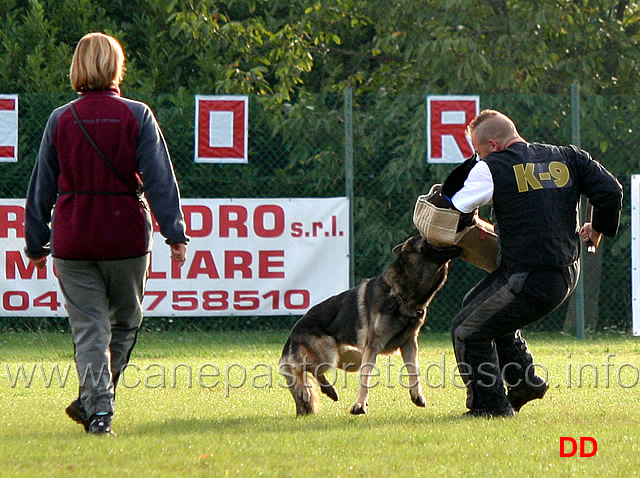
[(486, 335)]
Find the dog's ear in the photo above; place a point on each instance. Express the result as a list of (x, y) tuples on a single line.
[(413, 244), (398, 249), (404, 247)]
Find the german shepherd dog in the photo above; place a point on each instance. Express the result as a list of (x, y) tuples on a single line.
[(381, 315)]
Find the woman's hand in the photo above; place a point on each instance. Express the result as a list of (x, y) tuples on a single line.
[(39, 262), (179, 252)]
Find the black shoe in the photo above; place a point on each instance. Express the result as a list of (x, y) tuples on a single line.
[(519, 396), (100, 425), (76, 412), (490, 413)]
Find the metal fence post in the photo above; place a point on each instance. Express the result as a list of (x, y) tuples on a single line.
[(348, 173), (575, 139)]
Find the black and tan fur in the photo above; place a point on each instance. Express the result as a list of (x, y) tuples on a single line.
[(381, 315)]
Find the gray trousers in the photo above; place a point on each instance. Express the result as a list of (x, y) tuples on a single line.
[(104, 303)]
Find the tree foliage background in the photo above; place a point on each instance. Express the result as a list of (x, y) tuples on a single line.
[(296, 57), (285, 48)]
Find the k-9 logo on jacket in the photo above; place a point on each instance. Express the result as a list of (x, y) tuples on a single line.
[(532, 176)]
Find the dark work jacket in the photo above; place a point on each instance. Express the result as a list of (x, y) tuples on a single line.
[(535, 200), (96, 215)]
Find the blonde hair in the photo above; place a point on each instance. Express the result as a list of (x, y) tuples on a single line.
[(97, 64)]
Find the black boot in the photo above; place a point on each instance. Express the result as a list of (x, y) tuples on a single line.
[(100, 425), (518, 396)]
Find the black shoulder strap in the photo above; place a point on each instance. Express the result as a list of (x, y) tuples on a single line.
[(109, 164)]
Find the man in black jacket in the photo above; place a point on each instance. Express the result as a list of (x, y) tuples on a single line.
[(535, 190)]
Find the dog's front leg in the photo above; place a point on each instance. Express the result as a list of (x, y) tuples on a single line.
[(409, 353), (366, 371)]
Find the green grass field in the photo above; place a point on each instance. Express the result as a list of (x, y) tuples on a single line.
[(212, 404)]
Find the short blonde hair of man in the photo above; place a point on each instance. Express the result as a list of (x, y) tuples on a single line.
[(491, 124), (97, 64)]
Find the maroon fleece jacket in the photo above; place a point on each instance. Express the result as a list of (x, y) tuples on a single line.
[(96, 214)]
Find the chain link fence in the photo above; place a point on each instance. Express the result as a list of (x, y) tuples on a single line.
[(298, 150)]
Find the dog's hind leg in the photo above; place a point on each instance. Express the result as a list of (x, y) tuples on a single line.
[(409, 353)]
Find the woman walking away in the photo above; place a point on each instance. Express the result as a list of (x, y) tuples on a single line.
[(102, 157)]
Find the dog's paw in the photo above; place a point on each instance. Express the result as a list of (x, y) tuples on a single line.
[(358, 409), (419, 400)]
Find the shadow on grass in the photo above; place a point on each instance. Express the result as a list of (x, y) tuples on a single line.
[(290, 424)]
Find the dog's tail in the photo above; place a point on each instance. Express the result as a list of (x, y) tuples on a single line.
[(300, 383)]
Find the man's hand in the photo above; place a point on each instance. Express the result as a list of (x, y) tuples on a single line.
[(590, 237), (179, 252)]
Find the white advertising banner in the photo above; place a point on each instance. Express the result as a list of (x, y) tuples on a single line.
[(246, 257), (635, 252)]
